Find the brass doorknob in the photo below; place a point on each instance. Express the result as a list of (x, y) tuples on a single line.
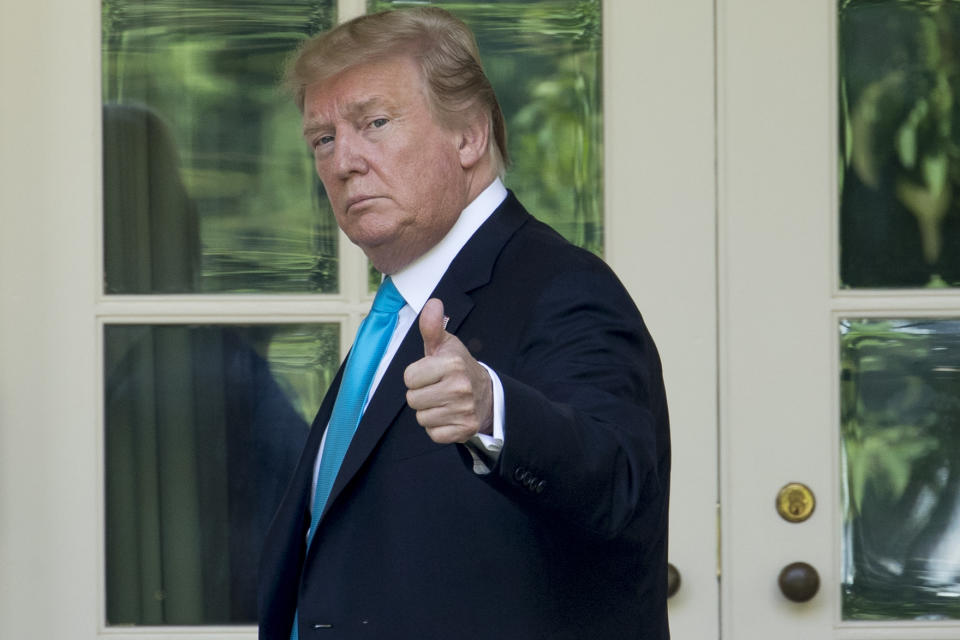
[(799, 582), (673, 580)]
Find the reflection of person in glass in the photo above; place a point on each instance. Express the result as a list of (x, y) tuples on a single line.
[(200, 439), (524, 497), (151, 235)]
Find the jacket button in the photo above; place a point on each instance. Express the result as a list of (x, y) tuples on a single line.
[(539, 487), (518, 474)]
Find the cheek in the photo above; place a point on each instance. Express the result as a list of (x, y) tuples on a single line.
[(442, 171), (435, 168), (322, 172)]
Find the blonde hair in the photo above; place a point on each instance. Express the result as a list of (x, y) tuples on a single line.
[(442, 46)]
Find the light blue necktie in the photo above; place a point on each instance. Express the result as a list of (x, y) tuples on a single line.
[(368, 347)]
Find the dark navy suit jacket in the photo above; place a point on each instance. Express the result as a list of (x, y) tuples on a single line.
[(566, 538)]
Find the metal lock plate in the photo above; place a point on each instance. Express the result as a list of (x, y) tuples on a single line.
[(795, 502)]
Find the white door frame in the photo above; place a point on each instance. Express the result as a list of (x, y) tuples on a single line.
[(660, 224)]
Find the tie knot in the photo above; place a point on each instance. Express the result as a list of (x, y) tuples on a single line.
[(388, 299)]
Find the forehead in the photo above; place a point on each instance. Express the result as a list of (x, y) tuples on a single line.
[(393, 83)]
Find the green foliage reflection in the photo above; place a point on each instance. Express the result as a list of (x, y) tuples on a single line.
[(900, 425), (899, 147), (207, 71)]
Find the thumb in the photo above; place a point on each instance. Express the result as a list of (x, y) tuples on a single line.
[(431, 326)]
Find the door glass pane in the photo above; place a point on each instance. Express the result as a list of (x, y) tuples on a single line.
[(544, 60), (207, 184), (900, 425), (204, 425), (899, 146)]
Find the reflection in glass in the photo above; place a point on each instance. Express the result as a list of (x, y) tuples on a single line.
[(203, 427), (900, 425), (207, 184), (544, 60), (899, 145)]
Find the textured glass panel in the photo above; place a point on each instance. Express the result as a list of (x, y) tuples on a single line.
[(899, 144), (207, 184), (204, 425), (900, 422), (544, 60)]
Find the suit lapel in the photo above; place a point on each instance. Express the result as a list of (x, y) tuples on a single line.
[(472, 268)]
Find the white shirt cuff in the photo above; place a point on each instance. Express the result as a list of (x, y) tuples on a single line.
[(483, 448)]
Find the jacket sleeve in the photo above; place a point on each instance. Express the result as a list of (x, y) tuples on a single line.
[(586, 432)]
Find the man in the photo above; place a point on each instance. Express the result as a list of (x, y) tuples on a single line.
[(509, 475)]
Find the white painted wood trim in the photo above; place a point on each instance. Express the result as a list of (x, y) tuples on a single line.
[(660, 219)]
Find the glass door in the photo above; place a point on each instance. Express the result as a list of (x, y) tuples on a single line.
[(839, 310), (169, 309)]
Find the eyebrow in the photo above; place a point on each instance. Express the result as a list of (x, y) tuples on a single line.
[(352, 110)]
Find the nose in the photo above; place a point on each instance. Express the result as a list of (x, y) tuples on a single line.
[(348, 155)]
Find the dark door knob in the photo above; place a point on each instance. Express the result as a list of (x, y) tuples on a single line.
[(799, 581), (673, 580)]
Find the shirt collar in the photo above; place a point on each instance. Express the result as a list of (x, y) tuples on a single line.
[(416, 281)]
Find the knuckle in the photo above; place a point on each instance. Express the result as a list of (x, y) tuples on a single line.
[(422, 419), (452, 362)]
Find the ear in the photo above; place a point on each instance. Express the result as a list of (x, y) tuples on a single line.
[(472, 141)]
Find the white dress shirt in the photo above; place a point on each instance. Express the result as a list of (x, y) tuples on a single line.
[(416, 282)]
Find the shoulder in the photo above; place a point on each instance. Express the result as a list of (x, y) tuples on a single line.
[(537, 259), (536, 244)]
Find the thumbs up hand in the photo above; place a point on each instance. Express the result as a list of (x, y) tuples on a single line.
[(450, 391)]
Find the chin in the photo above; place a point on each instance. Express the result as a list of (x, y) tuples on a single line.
[(367, 238), (385, 265), (388, 260), (377, 252)]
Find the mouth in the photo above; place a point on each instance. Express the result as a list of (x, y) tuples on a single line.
[(358, 200)]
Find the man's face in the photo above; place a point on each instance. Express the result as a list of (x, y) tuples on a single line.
[(391, 171)]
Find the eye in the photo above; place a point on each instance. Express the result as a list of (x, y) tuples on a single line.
[(320, 141), (378, 123)]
